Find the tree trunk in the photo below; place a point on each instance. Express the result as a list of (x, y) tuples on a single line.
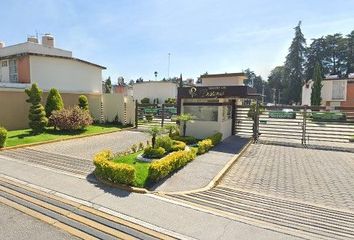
[(184, 128)]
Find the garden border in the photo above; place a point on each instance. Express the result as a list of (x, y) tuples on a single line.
[(217, 177), (64, 139)]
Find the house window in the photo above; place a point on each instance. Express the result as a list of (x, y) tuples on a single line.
[(13, 70), (338, 90)]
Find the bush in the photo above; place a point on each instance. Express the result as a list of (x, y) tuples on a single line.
[(187, 139), (83, 102), (216, 138), (165, 142), (282, 115), (114, 172), (178, 145), (38, 120), (54, 102), (204, 146), (328, 116), (150, 152), (145, 100), (149, 117), (165, 166), (3, 137), (134, 148), (70, 119)]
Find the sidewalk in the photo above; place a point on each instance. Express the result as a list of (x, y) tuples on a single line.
[(201, 171), (147, 208)]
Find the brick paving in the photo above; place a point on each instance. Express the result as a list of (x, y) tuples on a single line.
[(314, 176)]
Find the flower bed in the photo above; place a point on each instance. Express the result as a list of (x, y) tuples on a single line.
[(127, 167)]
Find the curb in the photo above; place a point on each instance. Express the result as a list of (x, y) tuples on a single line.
[(122, 186), (217, 177), (64, 139)]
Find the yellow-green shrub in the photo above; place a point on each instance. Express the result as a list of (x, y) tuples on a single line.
[(3, 137), (216, 138), (163, 167), (111, 171), (178, 145), (150, 152), (204, 146)]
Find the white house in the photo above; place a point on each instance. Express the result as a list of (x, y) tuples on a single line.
[(160, 90), (31, 62), (224, 79)]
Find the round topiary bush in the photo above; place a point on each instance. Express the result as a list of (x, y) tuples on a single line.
[(3, 137), (83, 102), (54, 102)]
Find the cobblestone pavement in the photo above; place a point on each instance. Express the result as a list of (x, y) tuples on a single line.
[(314, 176), (87, 147)]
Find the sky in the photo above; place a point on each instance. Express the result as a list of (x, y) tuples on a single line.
[(132, 38)]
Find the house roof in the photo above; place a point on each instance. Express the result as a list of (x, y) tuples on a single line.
[(240, 74), (54, 56)]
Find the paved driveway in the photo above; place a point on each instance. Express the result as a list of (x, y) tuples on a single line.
[(75, 156), (87, 147)]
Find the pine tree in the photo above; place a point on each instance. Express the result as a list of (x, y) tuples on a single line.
[(37, 117), (294, 67), (83, 102), (54, 102), (317, 86)]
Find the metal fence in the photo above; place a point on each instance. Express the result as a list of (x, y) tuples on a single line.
[(300, 124)]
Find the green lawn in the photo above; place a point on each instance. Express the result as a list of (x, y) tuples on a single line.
[(20, 137), (141, 168)]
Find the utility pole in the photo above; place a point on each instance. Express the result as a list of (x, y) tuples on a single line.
[(169, 63), (263, 93)]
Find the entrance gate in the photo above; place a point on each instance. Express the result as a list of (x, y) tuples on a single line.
[(150, 115), (297, 124)]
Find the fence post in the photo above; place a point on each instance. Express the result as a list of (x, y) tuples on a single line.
[(136, 113), (256, 123), (163, 114), (233, 117), (304, 114)]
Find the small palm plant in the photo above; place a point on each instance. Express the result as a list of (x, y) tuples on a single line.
[(154, 131), (171, 128), (185, 118)]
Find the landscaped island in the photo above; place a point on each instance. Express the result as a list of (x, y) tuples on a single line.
[(145, 165)]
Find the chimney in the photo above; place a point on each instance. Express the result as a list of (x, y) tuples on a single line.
[(2, 44), (48, 40), (32, 39)]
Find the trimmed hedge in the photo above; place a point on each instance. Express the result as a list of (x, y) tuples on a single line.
[(165, 166), (282, 115), (187, 139), (165, 142), (204, 146), (178, 145), (150, 152), (328, 116), (3, 137), (215, 139), (114, 172)]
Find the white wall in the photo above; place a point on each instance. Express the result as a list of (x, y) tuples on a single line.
[(154, 89), (223, 81), (306, 94), (65, 74)]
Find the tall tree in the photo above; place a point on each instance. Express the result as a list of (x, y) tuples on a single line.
[(317, 86), (276, 84), (315, 53), (350, 53), (294, 67), (335, 59), (108, 85), (252, 79)]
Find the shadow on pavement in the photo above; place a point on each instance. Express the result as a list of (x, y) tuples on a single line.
[(107, 189)]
